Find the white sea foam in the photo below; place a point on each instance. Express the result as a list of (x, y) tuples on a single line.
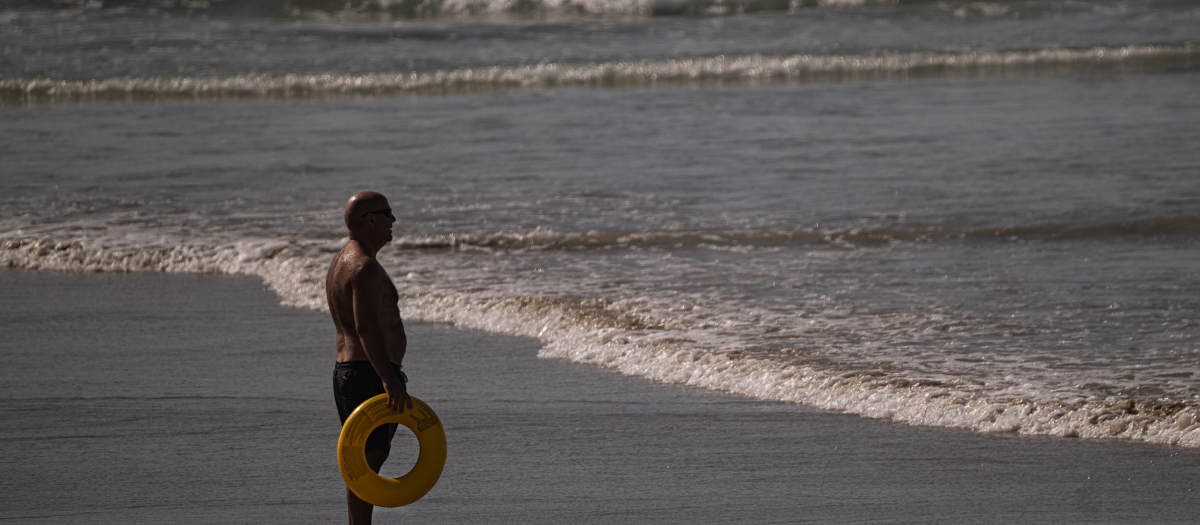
[(749, 68), (613, 335)]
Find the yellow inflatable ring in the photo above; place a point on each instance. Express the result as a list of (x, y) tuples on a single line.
[(387, 492)]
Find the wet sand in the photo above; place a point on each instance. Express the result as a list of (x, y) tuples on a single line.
[(198, 399)]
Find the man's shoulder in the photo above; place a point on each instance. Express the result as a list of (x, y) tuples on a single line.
[(352, 263)]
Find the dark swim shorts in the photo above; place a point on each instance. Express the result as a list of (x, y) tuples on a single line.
[(355, 382)]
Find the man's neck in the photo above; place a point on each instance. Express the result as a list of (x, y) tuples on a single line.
[(367, 247)]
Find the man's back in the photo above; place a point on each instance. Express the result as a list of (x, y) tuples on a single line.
[(346, 270)]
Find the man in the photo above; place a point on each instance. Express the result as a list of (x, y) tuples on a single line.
[(370, 335)]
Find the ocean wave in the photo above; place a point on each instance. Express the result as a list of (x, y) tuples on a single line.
[(662, 73), (1153, 227), (839, 237), (413, 9), (123, 233), (621, 335), (409, 9)]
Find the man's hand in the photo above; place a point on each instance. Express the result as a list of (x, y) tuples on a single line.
[(397, 395)]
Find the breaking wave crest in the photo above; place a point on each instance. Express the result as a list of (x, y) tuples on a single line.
[(620, 336), (548, 240), (409, 9), (744, 69)]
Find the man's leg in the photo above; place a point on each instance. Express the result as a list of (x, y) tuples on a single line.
[(360, 511)]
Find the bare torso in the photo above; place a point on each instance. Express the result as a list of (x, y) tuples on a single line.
[(364, 304)]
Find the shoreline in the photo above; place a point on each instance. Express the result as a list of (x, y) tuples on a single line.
[(918, 400), (229, 392)]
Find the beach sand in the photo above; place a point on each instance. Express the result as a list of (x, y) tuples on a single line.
[(198, 399)]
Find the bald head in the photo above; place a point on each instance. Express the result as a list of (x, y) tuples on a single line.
[(360, 205)]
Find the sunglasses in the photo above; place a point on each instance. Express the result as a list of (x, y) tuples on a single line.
[(385, 211)]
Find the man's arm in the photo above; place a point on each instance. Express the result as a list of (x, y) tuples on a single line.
[(367, 288)]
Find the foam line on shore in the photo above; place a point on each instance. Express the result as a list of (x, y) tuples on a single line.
[(596, 335)]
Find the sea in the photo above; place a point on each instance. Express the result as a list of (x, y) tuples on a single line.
[(975, 215)]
